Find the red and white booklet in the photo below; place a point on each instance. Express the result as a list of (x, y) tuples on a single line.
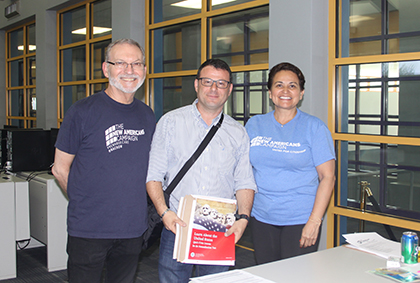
[(203, 241)]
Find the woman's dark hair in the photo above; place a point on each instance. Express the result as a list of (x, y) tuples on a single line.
[(216, 63), (285, 66)]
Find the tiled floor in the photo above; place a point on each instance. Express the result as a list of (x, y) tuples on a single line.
[(32, 264)]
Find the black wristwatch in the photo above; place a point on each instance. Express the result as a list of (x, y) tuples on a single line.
[(241, 216)]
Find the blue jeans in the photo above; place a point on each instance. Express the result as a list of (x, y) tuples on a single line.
[(88, 257), (171, 271)]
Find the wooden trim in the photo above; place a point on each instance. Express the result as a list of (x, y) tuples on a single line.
[(377, 139), (21, 118), (93, 81), (75, 6), (245, 68), (410, 224), (204, 33), (410, 56), (147, 52)]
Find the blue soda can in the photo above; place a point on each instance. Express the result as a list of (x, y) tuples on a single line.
[(409, 244)]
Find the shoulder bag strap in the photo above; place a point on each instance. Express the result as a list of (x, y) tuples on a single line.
[(194, 157)]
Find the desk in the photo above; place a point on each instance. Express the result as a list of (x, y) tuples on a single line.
[(14, 221), (338, 264), (7, 228), (48, 210), (22, 221)]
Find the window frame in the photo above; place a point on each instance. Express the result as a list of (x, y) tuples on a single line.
[(88, 43), (336, 211), (205, 18), (26, 88)]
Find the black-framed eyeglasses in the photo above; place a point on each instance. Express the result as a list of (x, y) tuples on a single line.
[(219, 83), (124, 65)]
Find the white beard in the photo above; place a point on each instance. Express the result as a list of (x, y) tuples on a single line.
[(115, 83)]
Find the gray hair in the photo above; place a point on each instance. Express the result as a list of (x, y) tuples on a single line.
[(123, 41)]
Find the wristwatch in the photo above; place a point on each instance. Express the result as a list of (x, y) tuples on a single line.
[(241, 216)]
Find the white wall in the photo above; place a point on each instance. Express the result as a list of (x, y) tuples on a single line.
[(299, 35)]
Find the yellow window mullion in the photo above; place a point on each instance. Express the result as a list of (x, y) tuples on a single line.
[(88, 46), (204, 39)]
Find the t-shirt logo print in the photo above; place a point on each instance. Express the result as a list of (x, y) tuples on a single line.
[(281, 146), (116, 136)]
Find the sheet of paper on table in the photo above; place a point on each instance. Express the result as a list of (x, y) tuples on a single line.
[(372, 242), (233, 276)]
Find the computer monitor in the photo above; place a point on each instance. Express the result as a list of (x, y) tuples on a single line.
[(26, 149), (10, 127), (53, 139)]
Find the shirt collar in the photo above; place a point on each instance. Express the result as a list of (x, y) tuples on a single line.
[(197, 114)]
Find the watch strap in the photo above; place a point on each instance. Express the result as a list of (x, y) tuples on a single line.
[(241, 216)]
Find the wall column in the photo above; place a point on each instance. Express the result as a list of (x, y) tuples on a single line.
[(299, 34)]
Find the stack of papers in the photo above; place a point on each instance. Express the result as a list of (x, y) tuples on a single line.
[(372, 242), (232, 276)]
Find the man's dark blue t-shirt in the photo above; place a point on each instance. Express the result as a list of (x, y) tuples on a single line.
[(107, 180)]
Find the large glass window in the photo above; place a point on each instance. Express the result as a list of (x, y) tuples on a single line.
[(376, 122), (380, 98), (249, 96), (180, 48), (21, 76), (164, 10), (182, 36), (102, 24), (391, 172), (82, 51), (69, 95), (241, 38), (379, 27)]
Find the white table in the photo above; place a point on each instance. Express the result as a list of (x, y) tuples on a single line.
[(23, 232), (340, 264), (48, 210), (7, 228), (14, 221)]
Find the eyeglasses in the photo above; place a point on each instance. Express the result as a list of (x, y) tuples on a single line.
[(219, 83), (124, 65)]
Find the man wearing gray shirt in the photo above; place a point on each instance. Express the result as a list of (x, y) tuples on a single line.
[(222, 170)]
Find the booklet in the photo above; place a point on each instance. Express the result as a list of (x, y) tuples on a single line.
[(203, 241), (397, 274)]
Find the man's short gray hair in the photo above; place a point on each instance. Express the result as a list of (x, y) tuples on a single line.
[(123, 41)]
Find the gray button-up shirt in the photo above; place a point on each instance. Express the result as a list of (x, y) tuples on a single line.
[(222, 168)]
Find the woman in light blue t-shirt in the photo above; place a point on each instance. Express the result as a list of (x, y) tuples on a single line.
[(293, 160)]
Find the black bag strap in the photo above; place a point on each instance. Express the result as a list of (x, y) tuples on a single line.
[(194, 157)]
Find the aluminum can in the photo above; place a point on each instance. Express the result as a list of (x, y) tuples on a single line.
[(409, 247)]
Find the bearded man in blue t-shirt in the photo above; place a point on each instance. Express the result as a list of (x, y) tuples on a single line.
[(101, 161)]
